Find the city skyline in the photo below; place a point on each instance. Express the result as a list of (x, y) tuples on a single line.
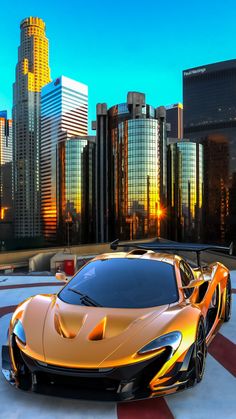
[(48, 111), (102, 55)]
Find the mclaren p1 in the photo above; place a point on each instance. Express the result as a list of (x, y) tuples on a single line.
[(128, 325)]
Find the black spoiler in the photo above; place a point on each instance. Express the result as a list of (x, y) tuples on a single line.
[(158, 246)]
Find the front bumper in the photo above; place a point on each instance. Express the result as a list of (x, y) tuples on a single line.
[(130, 382)]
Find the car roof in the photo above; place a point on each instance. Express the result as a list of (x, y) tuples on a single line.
[(140, 254)]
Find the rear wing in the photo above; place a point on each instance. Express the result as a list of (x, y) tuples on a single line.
[(158, 246)]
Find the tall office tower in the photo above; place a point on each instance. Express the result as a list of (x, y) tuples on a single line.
[(78, 191), (209, 96), (185, 190), (6, 212), (32, 73), (131, 183), (174, 117), (64, 114)]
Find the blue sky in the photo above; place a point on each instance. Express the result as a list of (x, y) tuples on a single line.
[(124, 45)]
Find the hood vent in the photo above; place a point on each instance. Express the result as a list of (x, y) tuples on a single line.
[(60, 328), (98, 332), (66, 325)]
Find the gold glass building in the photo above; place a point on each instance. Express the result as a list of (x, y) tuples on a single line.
[(77, 207), (185, 191), (32, 73), (131, 178)]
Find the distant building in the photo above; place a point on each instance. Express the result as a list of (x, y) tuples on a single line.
[(32, 73), (64, 115), (131, 183), (209, 97), (185, 191), (78, 191), (174, 118), (6, 177)]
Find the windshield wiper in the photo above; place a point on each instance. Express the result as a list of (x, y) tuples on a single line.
[(85, 299)]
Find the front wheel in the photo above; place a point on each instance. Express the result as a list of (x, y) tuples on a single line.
[(199, 353), (228, 300)]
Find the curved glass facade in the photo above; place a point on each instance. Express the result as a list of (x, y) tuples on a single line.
[(77, 190), (137, 178), (131, 169), (185, 191)]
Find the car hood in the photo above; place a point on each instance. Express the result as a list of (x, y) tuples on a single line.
[(89, 337)]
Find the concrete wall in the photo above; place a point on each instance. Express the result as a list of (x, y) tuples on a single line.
[(40, 262), (24, 255)]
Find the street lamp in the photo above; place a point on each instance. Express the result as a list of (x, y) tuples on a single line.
[(68, 221)]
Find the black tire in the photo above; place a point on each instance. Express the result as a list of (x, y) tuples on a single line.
[(228, 300), (199, 353)]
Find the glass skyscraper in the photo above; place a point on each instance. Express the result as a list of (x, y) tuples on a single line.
[(209, 96), (131, 184), (78, 191), (137, 181), (185, 191), (6, 175), (32, 73), (64, 114)]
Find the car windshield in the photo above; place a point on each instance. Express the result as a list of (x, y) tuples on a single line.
[(123, 283)]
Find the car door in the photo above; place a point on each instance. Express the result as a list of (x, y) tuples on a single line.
[(187, 276)]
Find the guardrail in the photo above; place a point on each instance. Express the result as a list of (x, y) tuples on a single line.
[(15, 265)]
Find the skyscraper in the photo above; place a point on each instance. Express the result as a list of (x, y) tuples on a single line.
[(209, 96), (5, 167), (32, 73), (174, 117), (64, 115), (185, 190), (77, 208), (131, 179)]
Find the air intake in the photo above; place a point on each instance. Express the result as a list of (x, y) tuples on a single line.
[(140, 252)]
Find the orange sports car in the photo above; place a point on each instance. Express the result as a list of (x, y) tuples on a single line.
[(128, 325)]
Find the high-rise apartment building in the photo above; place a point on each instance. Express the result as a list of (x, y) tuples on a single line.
[(32, 73), (174, 117), (5, 167), (64, 115), (185, 190), (131, 182), (209, 97)]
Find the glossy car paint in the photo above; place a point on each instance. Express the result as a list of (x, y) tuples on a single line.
[(77, 336)]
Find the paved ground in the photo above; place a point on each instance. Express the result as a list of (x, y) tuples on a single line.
[(214, 397)]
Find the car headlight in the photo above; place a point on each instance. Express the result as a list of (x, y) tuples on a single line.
[(18, 330), (172, 340)]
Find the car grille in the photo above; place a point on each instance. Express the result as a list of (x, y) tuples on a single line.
[(78, 383), (99, 384)]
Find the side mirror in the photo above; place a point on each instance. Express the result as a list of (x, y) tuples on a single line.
[(60, 276), (194, 284)]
